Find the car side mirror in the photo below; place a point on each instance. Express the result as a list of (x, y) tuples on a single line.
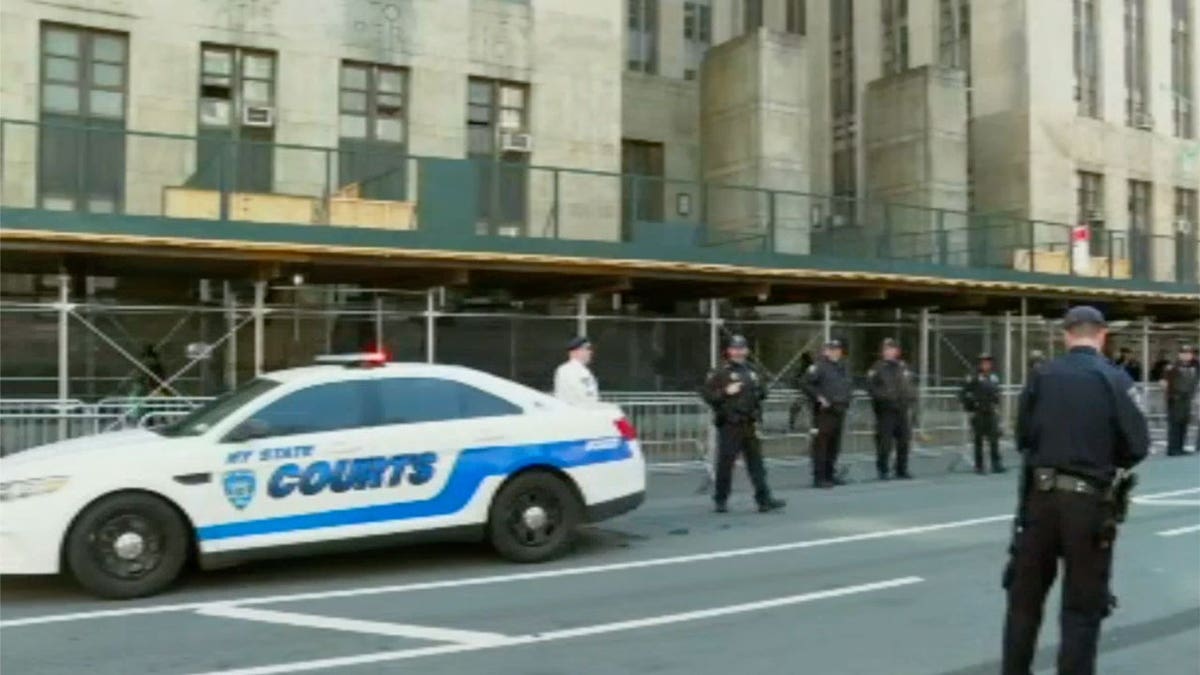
[(249, 430)]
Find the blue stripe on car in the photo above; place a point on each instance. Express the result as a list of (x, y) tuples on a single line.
[(469, 472)]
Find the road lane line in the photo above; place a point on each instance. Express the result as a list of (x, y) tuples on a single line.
[(527, 576), (522, 576), (1179, 530), (431, 633), (1157, 496), (1168, 502), (568, 633)]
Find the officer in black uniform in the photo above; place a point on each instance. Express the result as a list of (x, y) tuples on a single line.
[(1180, 381), (1037, 359), (980, 397), (735, 390), (828, 383), (1078, 423), (893, 395)]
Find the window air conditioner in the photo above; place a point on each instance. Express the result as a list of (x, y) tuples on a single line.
[(516, 142), (1183, 226), (258, 116), (1144, 121)]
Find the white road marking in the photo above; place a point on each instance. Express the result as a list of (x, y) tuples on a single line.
[(1170, 502), (510, 578), (431, 633), (568, 633), (1179, 530), (1159, 497), (528, 576)]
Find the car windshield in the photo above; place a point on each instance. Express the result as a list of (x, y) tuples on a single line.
[(203, 418)]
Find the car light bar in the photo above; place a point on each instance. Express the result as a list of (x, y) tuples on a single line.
[(360, 360)]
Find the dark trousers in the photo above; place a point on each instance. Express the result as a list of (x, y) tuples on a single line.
[(986, 426), (828, 443), (1176, 435), (892, 428), (1058, 525), (732, 440), (1179, 414)]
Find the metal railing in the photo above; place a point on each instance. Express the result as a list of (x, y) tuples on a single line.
[(674, 427), (46, 165)]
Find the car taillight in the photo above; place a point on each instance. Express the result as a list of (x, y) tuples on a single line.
[(625, 427)]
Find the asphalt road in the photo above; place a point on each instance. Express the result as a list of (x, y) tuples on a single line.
[(894, 578)]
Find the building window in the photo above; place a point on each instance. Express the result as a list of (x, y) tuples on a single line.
[(895, 36), (643, 36), (497, 113), (1187, 235), (84, 80), (1087, 59), (797, 17), (642, 183), (237, 119), (1140, 208), (697, 34), (372, 133), (954, 34), (842, 98), (752, 15), (1182, 109), (1089, 208), (1137, 104)]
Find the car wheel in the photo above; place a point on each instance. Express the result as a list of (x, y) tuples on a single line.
[(533, 517), (127, 546)]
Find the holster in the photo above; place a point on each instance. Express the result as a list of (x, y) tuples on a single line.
[(1019, 522)]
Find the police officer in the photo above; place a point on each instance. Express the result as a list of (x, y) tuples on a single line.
[(980, 397), (1036, 360), (1078, 423), (573, 380), (828, 383), (1180, 381), (893, 396), (735, 390)]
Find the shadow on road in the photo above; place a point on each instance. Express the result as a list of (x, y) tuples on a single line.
[(1110, 640)]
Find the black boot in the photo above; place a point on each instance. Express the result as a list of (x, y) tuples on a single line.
[(771, 504)]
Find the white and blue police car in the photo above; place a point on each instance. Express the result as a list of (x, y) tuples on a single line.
[(348, 453)]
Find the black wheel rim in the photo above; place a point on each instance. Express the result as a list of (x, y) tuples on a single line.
[(536, 517), (127, 546)]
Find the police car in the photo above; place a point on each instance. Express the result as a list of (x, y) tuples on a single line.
[(351, 452)]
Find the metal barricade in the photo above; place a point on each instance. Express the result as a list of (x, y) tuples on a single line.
[(674, 427)]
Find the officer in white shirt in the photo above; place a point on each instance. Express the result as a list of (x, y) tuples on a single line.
[(573, 382)]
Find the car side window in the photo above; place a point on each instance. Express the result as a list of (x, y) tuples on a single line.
[(322, 407), (409, 400)]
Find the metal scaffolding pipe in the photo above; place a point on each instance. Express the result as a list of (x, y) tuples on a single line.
[(1024, 342), (581, 314), (714, 332), (378, 323), (430, 324), (923, 346), (231, 359), (260, 298), (1145, 350), (64, 351), (827, 322), (1008, 360)]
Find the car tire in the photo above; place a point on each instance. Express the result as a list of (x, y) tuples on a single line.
[(534, 517), (127, 545)]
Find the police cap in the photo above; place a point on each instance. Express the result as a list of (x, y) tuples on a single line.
[(737, 342), (889, 342), (836, 343), (985, 356), (1083, 315), (578, 342), (1188, 348)]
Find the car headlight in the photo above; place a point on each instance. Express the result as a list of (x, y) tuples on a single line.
[(19, 489)]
